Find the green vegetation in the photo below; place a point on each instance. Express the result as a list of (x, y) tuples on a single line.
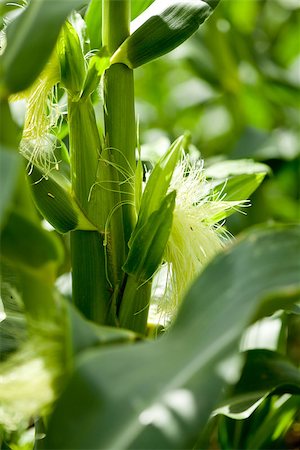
[(131, 318)]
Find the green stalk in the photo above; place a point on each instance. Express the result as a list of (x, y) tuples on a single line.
[(120, 127), (91, 290), (135, 305), (120, 141)]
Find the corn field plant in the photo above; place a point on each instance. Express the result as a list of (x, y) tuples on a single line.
[(146, 349)]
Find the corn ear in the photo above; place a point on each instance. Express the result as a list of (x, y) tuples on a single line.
[(158, 183), (161, 28), (56, 204), (72, 64), (148, 245)]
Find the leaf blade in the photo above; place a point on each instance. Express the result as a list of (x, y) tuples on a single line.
[(30, 40), (153, 377)]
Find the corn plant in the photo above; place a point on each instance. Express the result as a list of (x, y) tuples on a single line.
[(123, 364)]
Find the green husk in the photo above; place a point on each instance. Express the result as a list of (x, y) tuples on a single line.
[(71, 58), (160, 29), (148, 245), (56, 204)]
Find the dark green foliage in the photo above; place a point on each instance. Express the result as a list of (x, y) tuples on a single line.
[(231, 93)]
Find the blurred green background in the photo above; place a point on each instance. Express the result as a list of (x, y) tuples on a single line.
[(234, 86)]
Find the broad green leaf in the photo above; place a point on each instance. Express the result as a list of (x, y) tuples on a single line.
[(266, 428), (27, 245), (280, 299), (10, 164), (235, 181), (93, 20), (169, 387), (274, 425), (13, 328), (86, 334), (229, 168), (240, 187), (273, 373), (161, 28), (10, 161), (138, 6), (30, 40)]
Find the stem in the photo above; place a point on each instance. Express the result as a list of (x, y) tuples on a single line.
[(119, 117), (91, 290), (120, 142), (135, 305)]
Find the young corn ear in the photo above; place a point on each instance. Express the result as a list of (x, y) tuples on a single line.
[(196, 236), (57, 204), (157, 185), (160, 29), (147, 247), (72, 64)]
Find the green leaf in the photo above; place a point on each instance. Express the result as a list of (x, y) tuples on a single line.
[(229, 168), (93, 20), (138, 6), (10, 160), (13, 328), (26, 244), (10, 164), (274, 425), (169, 387), (273, 374), (266, 428), (71, 58), (286, 299), (86, 334), (235, 181), (161, 28), (30, 40)]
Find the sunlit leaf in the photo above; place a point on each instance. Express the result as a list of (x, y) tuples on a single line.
[(169, 387), (30, 40), (39, 248), (93, 20), (273, 372), (10, 164), (138, 6)]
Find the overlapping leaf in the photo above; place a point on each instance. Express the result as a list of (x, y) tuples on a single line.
[(159, 394), (30, 40)]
